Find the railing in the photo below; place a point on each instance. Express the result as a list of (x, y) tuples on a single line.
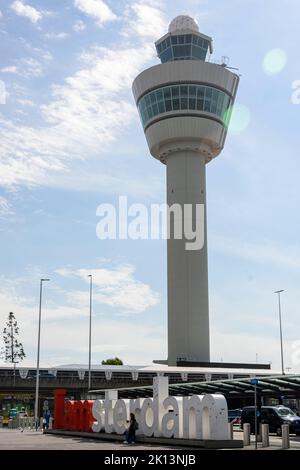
[(26, 422), (19, 422)]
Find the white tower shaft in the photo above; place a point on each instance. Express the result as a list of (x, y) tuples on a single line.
[(188, 312)]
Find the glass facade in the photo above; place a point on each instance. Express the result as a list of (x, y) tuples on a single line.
[(184, 97), (182, 47)]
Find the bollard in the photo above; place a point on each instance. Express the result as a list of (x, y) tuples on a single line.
[(265, 435), (246, 429), (259, 436), (230, 431), (285, 430)]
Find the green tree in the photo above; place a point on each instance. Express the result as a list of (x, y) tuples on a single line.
[(112, 362), (13, 348)]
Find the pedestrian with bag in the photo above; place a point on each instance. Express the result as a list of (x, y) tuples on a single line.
[(132, 428)]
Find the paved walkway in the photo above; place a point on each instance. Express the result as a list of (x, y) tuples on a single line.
[(12, 439), (275, 442)]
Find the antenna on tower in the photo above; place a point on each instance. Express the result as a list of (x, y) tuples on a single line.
[(225, 62)]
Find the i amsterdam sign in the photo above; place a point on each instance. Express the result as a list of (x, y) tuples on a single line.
[(203, 417)]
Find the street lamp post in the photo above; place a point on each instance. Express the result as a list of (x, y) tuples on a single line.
[(36, 404), (254, 382), (278, 292), (90, 332)]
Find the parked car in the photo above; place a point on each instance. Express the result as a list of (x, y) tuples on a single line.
[(274, 416), (234, 416)]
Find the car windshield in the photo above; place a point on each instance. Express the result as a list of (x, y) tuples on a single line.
[(285, 412)]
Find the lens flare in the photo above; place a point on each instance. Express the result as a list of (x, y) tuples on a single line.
[(237, 118), (274, 61)]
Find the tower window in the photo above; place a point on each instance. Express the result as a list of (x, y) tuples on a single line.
[(199, 98), (182, 47), (175, 91)]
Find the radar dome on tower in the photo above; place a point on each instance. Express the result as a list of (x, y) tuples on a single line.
[(183, 22)]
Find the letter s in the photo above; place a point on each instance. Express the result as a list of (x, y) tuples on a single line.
[(97, 415)]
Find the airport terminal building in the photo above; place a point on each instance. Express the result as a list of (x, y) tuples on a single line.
[(17, 386)]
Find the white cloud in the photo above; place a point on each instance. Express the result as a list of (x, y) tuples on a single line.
[(9, 69), (5, 207), (26, 102), (97, 9), (56, 36), (26, 68), (65, 325), (28, 154), (1, 15), (145, 20), (30, 67), (65, 332), (78, 26), (22, 9), (85, 115), (115, 287)]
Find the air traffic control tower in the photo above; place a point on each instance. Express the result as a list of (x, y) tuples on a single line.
[(185, 105)]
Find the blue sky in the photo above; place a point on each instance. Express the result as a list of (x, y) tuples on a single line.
[(70, 139)]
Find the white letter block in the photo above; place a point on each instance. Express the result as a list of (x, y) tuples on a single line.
[(215, 417), (98, 415), (192, 417), (120, 416), (160, 393), (172, 420)]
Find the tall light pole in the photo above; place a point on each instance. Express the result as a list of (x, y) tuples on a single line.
[(278, 292), (90, 331), (36, 404)]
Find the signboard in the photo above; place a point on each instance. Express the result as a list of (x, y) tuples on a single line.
[(187, 417)]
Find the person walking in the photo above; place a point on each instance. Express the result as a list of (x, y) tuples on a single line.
[(46, 419), (132, 428)]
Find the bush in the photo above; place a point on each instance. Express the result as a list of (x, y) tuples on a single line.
[(112, 362)]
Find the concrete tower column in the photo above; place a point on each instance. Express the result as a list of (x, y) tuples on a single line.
[(188, 317)]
